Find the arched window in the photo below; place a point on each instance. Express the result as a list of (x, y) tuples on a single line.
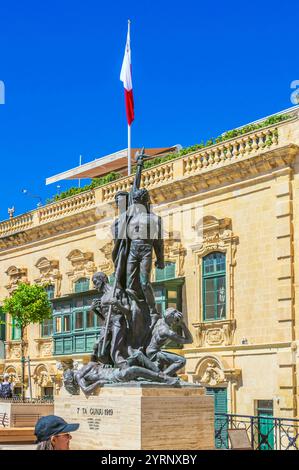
[(214, 287), (82, 285)]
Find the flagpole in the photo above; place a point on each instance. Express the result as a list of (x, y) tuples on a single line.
[(129, 150), (129, 127)]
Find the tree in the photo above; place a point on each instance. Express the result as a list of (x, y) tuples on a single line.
[(27, 304)]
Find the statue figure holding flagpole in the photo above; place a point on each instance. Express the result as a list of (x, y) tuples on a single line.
[(132, 331)]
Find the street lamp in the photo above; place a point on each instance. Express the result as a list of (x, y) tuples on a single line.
[(25, 191)]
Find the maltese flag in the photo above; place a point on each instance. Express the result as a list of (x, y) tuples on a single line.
[(126, 78)]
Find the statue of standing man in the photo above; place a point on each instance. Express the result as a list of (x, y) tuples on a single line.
[(137, 234)]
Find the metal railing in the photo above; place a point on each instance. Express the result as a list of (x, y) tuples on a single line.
[(264, 432)]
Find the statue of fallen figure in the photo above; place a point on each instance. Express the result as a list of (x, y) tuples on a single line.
[(94, 374)]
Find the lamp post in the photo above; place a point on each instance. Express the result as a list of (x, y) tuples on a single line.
[(29, 377), (25, 361)]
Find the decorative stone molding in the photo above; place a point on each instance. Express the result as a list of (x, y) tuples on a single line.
[(45, 347), (210, 372), (107, 266), (14, 374), (215, 333), (13, 349), (82, 266), (49, 274), (41, 376), (16, 276), (217, 236), (175, 251)]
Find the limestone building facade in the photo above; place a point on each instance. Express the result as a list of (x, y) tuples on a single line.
[(231, 218)]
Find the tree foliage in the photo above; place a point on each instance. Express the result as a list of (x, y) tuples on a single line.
[(28, 304)]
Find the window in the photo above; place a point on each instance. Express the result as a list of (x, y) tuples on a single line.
[(66, 323), (167, 273), (15, 331), (90, 319), (58, 325), (82, 285), (47, 327), (169, 294), (265, 425), (214, 291), (78, 320), (76, 328), (50, 289), (220, 406)]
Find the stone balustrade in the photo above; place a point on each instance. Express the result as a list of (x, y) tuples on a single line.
[(234, 149), (65, 207), (109, 190), (150, 178), (215, 156), (16, 224)]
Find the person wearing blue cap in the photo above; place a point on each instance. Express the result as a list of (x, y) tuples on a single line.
[(53, 433)]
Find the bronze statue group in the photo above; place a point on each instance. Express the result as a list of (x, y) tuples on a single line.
[(133, 333)]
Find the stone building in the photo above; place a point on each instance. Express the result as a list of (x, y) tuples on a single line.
[(231, 214)]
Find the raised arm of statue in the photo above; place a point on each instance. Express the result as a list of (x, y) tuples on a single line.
[(137, 180)]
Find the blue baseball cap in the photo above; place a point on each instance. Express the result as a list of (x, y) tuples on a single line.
[(52, 425)]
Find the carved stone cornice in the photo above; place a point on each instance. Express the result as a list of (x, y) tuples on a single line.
[(211, 372), (214, 333), (79, 259), (16, 276), (82, 266), (216, 235), (49, 274), (176, 252)]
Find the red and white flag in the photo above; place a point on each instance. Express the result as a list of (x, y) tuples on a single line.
[(126, 78)]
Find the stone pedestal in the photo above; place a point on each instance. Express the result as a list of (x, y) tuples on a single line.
[(140, 417)]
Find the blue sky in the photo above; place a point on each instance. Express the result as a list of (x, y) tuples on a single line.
[(199, 68)]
